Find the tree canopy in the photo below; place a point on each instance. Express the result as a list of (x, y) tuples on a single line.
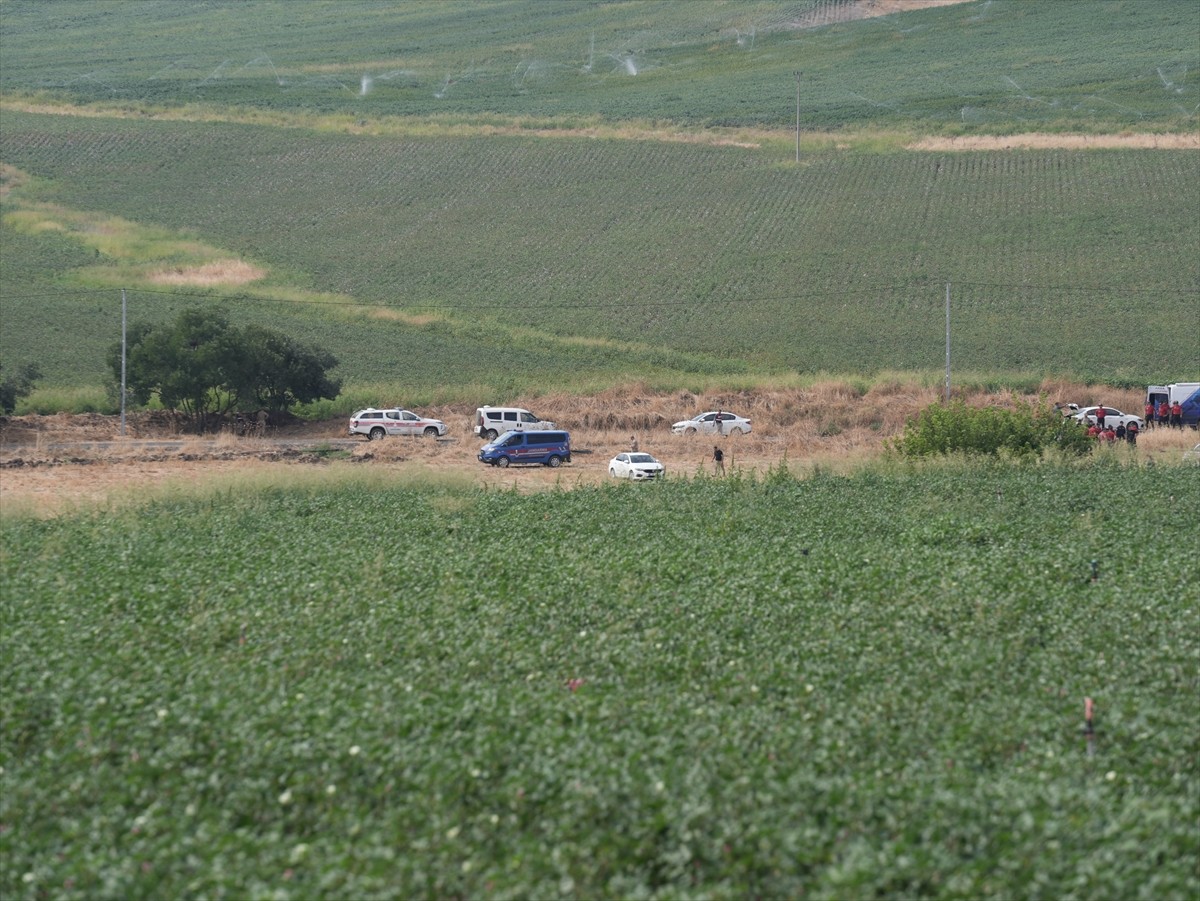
[(202, 364), (17, 385)]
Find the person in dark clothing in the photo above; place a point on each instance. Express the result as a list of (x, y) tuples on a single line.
[(718, 460)]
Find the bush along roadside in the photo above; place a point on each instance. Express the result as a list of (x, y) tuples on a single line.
[(1028, 430)]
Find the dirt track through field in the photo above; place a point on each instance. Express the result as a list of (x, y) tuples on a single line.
[(60, 463)]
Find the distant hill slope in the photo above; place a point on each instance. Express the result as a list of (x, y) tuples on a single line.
[(996, 64), (522, 261), (513, 196)]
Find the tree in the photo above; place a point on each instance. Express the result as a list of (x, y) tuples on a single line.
[(201, 365), (183, 363), (274, 372), (17, 385)]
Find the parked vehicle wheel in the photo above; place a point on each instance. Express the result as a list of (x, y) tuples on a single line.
[(689, 431), (554, 462), (377, 434), (502, 462), (489, 434), (431, 432)]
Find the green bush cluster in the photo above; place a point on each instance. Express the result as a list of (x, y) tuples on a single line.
[(1027, 430), (17, 385), (201, 364)]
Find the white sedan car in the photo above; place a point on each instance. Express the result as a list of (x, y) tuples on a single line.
[(635, 466), (376, 424), (1112, 416), (715, 422)]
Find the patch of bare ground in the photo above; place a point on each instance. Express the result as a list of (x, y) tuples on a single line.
[(218, 272), (832, 13), (59, 463), (1040, 141)]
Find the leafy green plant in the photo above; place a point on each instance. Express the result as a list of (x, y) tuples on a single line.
[(1028, 430)]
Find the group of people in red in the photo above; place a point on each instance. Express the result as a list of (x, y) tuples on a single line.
[(1164, 414), (1102, 431)]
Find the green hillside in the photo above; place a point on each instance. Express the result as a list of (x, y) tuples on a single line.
[(585, 221), (1000, 64), (666, 258)]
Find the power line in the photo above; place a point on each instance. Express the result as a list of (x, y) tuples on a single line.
[(623, 303)]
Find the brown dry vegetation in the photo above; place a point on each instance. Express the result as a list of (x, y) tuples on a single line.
[(217, 272), (1041, 141), (863, 9), (53, 464)]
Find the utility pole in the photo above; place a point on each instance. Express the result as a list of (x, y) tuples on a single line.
[(123, 308), (947, 342), (798, 74)]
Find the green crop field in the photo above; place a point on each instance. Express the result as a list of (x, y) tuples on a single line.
[(367, 684), (834, 688), (597, 261), (453, 207), (1001, 64)]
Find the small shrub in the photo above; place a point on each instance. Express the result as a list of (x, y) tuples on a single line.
[(1027, 430)]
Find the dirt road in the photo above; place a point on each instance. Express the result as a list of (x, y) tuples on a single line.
[(52, 464)]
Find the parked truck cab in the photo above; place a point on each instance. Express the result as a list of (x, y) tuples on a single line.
[(1186, 394)]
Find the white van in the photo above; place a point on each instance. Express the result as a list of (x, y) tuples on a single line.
[(493, 421)]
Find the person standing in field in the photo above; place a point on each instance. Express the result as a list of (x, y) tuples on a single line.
[(1100, 414), (1121, 431), (1131, 433), (1164, 414), (1177, 415), (633, 443), (718, 460), (1148, 414)]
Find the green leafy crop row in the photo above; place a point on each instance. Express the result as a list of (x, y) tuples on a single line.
[(831, 687)]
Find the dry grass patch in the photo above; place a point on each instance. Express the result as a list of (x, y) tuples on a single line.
[(218, 272), (1040, 141), (1166, 446), (417, 320)]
